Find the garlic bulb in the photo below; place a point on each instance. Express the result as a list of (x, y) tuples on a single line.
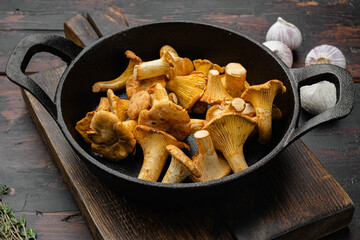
[(285, 32), (325, 54), (318, 97), (282, 50)]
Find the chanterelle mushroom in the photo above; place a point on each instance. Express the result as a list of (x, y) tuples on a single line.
[(172, 97), (101, 128), (168, 117), (204, 65), (169, 64), (215, 92), (196, 124), (154, 142), (250, 111), (83, 125), (262, 97), (119, 82), (188, 88), (110, 137), (138, 102), (182, 66), (133, 86), (234, 79), (158, 94), (130, 124), (211, 165), (154, 68), (118, 106), (180, 166), (229, 133), (237, 105), (103, 105)]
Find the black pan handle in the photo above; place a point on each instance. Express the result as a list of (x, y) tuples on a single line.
[(345, 94), (22, 54)]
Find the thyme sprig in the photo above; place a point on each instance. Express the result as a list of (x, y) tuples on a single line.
[(10, 227)]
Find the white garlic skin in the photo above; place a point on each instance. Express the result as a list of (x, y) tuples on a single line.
[(324, 54), (285, 32), (282, 50), (318, 97)]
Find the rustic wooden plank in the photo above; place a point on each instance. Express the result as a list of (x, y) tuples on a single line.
[(38, 189), (91, 195), (107, 21), (55, 225), (79, 30), (24, 156), (336, 145), (40, 62), (303, 201), (20, 20)]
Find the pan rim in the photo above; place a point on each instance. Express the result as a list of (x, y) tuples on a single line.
[(230, 178)]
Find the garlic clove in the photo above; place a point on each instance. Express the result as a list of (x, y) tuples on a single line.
[(285, 32), (318, 97), (325, 54), (282, 50)]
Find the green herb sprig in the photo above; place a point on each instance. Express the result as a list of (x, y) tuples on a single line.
[(10, 227)]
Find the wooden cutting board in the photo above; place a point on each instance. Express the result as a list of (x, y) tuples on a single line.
[(295, 198)]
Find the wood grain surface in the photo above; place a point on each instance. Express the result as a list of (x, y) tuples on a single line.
[(29, 169)]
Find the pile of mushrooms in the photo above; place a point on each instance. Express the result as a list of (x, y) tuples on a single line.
[(162, 93)]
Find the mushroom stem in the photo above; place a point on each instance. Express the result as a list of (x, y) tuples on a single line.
[(262, 97), (211, 166), (154, 142), (154, 68), (153, 164), (249, 110), (173, 174), (180, 166), (215, 92), (237, 104), (115, 84), (119, 82), (205, 145), (235, 75), (264, 124), (158, 94), (236, 159), (229, 133)]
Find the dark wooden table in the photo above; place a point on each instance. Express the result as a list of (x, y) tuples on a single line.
[(39, 192)]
